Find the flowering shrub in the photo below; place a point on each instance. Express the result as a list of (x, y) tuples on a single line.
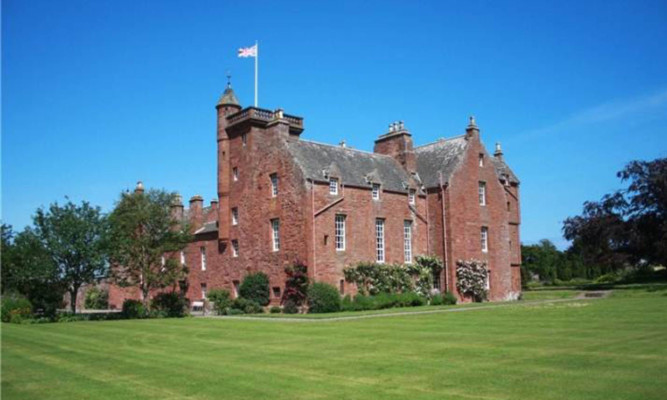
[(372, 278), (471, 278)]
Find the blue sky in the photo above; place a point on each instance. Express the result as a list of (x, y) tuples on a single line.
[(99, 94)]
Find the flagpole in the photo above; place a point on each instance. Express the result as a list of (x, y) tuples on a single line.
[(256, 60)]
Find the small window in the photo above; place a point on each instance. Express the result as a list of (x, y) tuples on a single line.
[(340, 232), (407, 241), (235, 174), (202, 252), (203, 290), (163, 261), (341, 286), (484, 238), (487, 281), (376, 191), (235, 286), (379, 240), (482, 193), (275, 233), (244, 139), (274, 185), (182, 257), (411, 196), (235, 216), (333, 186), (509, 207), (436, 281), (235, 248), (481, 159), (276, 292)]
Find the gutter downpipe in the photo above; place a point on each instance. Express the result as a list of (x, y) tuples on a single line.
[(312, 238), (444, 233)]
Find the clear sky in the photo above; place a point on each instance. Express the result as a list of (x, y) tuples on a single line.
[(99, 94)]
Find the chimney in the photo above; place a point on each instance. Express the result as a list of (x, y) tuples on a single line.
[(397, 143), (472, 129), (177, 207), (139, 189), (499, 152), (214, 204), (196, 206)]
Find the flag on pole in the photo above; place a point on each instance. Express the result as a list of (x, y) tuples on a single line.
[(248, 51)]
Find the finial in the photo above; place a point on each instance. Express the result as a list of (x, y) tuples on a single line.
[(472, 121), (342, 143), (400, 125), (499, 151), (229, 79)]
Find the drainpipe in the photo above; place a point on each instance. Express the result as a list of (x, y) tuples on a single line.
[(312, 204), (428, 228), (444, 233)]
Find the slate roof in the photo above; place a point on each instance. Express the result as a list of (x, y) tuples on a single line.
[(352, 166), (503, 170), (228, 97), (439, 159), (208, 227)]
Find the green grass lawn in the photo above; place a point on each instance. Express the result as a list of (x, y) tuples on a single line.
[(613, 348)]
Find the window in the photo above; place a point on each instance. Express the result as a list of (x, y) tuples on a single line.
[(274, 185), (163, 261), (436, 281), (376, 191), (236, 285), (244, 139), (275, 232), (182, 257), (482, 193), (411, 196), (485, 239), (235, 248), (202, 252), (340, 232), (508, 206), (276, 292), (487, 281), (341, 286), (407, 241), (481, 159), (235, 216), (203, 290), (333, 186), (235, 174), (379, 239)]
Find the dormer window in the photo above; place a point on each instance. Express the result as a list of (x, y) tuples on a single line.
[(376, 191), (333, 186), (411, 196)]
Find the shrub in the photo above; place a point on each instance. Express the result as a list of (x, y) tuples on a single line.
[(437, 300), (275, 310), (221, 300), (134, 309), (255, 287), (449, 298), (290, 307), (296, 284), (247, 306), (170, 304), (235, 311), (96, 299), (15, 308), (323, 298), (471, 276)]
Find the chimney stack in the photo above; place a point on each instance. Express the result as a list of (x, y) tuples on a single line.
[(499, 152), (177, 207), (472, 128), (397, 143)]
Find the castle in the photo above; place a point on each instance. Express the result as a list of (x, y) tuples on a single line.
[(282, 198)]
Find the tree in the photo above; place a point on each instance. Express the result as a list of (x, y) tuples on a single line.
[(142, 230), (628, 226), (72, 236)]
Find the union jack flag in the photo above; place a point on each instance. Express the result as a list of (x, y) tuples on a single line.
[(248, 51)]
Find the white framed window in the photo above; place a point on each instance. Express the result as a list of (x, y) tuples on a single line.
[(407, 241), (481, 191), (376, 191), (235, 174), (182, 257), (484, 237), (203, 290), (202, 253), (487, 281), (411, 196), (275, 234), (274, 185), (244, 139), (379, 239), (340, 232), (333, 186), (235, 248), (235, 216), (481, 159)]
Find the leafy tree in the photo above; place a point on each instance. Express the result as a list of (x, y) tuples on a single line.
[(255, 287), (142, 230), (96, 299), (73, 238)]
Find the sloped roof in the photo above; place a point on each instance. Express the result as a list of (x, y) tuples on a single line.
[(503, 170), (439, 159), (353, 167), (228, 97), (208, 227)]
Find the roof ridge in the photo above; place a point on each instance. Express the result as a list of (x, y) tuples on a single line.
[(440, 141)]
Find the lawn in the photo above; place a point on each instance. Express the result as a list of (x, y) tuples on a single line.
[(612, 348)]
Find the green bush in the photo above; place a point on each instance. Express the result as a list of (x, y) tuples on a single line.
[(382, 301), (221, 300), (290, 307), (323, 298), (134, 309), (275, 310), (449, 298), (15, 308), (234, 311), (170, 304), (437, 300), (606, 278), (96, 299), (255, 287), (247, 306)]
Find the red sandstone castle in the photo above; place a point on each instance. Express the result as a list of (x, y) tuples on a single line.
[(282, 198)]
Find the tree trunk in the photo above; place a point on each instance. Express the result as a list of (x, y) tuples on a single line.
[(144, 294), (72, 298)]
